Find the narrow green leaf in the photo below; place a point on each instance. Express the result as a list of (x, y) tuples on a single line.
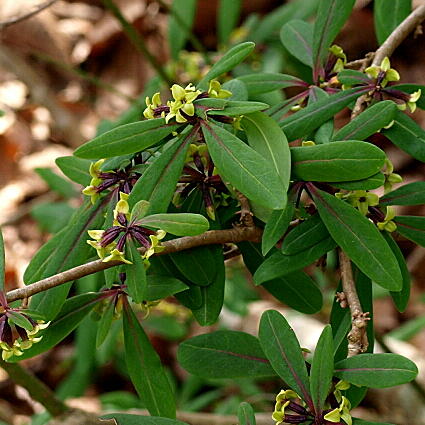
[(297, 38), (337, 161), (76, 169), (307, 234), (127, 419), (2, 262), (181, 224), (229, 60), (159, 180), (224, 354), (237, 88), (265, 137), (162, 286), (190, 298), (388, 15), (350, 77), (136, 273), (238, 107), (360, 240), (296, 289), (213, 294), (331, 16), (407, 135), (57, 183), (52, 216), (409, 194), (278, 264), (313, 116), (340, 321), (376, 370), (322, 368), (265, 82), (145, 369), (368, 122), (104, 324), (244, 168), (246, 414), (373, 182), (139, 210), (19, 320), (400, 298), (227, 18), (411, 227), (179, 28), (283, 350), (277, 225), (72, 313), (128, 138)]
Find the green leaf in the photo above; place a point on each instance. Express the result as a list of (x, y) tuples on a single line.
[(296, 289), (19, 320), (265, 137), (159, 180), (314, 115), (411, 227), (410, 88), (376, 370), (139, 210), (224, 354), (368, 122), (228, 61), (127, 419), (56, 183), (400, 298), (105, 323), (197, 265), (388, 15), (190, 298), (76, 169), (128, 138), (266, 82), (409, 194), (360, 240), (277, 225), (349, 77), (322, 368), (278, 264), (239, 107), (180, 27), (2, 263), (136, 273), (228, 14), (307, 234), (244, 168), (180, 224), (52, 216), (337, 161), (72, 313), (407, 135), (162, 286), (373, 182), (297, 38), (331, 16), (71, 249), (145, 369), (237, 88), (283, 350), (213, 294), (246, 414)]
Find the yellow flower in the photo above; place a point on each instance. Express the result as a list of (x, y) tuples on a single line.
[(94, 170), (151, 106), (390, 73), (341, 57), (342, 412), (116, 255), (388, 224), (414, 97), (155, 244), (362, 200), (216, 91), (122, 207), (183, 102)]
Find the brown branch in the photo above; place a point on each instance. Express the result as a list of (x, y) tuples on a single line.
[(357, 337), (212, 237), (29, 14)]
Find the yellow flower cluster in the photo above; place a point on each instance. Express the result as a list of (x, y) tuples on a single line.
[(19, 345), (94, 171), (282, 401)]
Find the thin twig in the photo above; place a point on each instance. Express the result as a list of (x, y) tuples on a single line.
[(137, 40), (30, 14), (212, 237), (357, 337)]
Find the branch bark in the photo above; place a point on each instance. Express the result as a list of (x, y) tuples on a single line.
[(212, 237)]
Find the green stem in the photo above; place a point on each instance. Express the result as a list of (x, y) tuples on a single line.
[(36, 388), (137, 40)]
